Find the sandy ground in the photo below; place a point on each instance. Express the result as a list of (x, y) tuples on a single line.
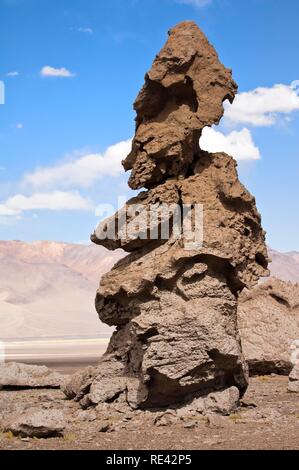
[(270, 420)]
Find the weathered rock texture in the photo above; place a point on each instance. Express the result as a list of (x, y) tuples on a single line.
[(183, 92), (35, 422), (175, 309), (294, 379), (268, 317), (16, 375)]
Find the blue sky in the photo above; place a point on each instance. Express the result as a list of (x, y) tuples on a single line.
[(72, 69)]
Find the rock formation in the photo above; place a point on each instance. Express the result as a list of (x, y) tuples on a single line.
[(268, 318), (35, 422), (16, 375), (174, 304)]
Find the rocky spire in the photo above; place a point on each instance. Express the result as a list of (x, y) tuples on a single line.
[(175, 305), (183, 92)]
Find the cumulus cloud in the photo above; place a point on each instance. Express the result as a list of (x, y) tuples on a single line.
[(47, 183), (195, 3), (53, 201), (82, 171), (263, 106), (48, 71), (6, 212), (238, 144)]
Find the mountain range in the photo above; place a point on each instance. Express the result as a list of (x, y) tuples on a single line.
[(47, 289)]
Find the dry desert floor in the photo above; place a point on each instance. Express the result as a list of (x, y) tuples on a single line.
[(268, 419)]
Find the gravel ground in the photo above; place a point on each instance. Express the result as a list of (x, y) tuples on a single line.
[(269, 419)]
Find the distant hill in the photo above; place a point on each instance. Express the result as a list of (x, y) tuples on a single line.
[(48, 288), (285, 266)]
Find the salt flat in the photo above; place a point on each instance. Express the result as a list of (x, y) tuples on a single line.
[(63, 354)]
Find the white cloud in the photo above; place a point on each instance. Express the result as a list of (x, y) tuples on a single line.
[(262, 106), (82, 171), (85, 30), (5, 211), (238, 144), (12, 74), (48, 71), (20, 125), (53, 201), (195, 3)]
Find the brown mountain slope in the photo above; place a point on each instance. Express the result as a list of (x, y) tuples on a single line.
[(46, 289), (285, 266)]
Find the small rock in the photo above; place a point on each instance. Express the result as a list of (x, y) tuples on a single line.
[(46, 397), (46, 406), (123, 408), (225, 402), (76, 385), (270, 414), (165, 419), (128, 417), (15, 374), (267, 414), (216, 421), (293, 385), (85, 402), (250, 416), (248, 403), (103, 408), (191, 409), (190, 425), (37, 423), (87, 415), (212, 442), (106, 427)]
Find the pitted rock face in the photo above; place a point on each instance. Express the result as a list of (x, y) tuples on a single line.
[(183, 92), (231, 226), (268, 318), (175, 309)]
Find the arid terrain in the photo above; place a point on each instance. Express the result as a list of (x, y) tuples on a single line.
[(268, 419), (48, 288), (47, 292), (147, 182), (62, 354)]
